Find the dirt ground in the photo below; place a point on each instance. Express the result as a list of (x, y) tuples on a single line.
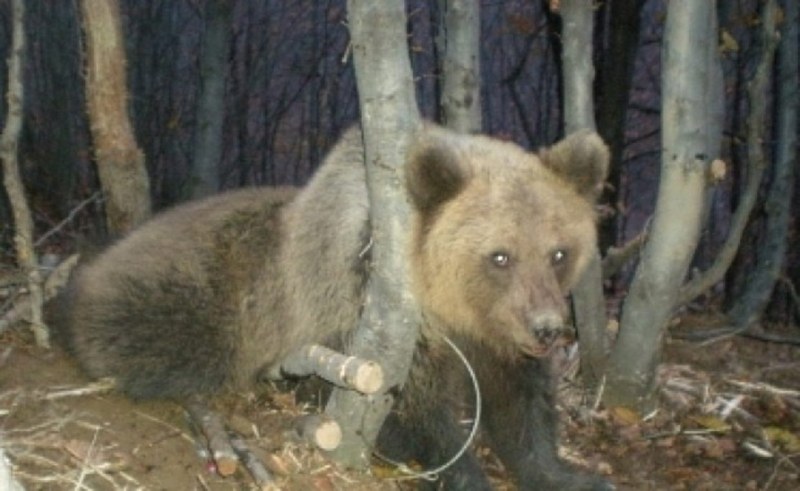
[(729, 420)]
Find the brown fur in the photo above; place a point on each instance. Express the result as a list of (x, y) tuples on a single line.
[(212, 294), (508, 200)]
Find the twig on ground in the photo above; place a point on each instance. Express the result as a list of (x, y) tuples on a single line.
[(212, 427), (86, 463), (98, 387), (202, 482), (711, 336), (765, 387), (252, 463)]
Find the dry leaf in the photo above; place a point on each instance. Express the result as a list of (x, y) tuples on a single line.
[(711, 422), (727, 43), (784, 439), (624, 416)]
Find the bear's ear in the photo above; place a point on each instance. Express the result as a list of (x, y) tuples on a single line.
[(434, 172), (581, 159)]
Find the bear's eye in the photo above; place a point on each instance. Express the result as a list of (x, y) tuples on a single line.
[(558, 256), (500, 259)]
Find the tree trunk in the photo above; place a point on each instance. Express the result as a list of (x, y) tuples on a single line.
[(757, 89), (120, 162), (460, 51), (9, 144), (208, 143), (772, 252), (689, 52), (578, 75), (389, 325)]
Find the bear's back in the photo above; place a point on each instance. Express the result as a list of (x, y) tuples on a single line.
[(214, 292), (161, 310)]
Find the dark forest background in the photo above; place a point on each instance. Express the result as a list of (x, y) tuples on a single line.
[(290, 92)]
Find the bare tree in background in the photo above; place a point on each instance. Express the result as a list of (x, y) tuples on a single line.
[(389, 324), (578, 75), (9, 143), (755, 166), (120, 161), (459, 48), (772, 251), (689, 74), (208, 141)]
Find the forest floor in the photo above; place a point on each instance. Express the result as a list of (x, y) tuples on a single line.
[(729, 419)]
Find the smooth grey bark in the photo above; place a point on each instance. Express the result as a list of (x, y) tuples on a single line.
[(749, 307), (588, 300), (389, 325), (459, 47), (577, 19), (689, 55), (757, 88), (211, 103)]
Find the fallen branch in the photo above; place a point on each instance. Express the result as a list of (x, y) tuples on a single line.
[(349, 372), (711, 336), (319, 430), (98, 387), (252, 463), (211, 426), (765, 387)]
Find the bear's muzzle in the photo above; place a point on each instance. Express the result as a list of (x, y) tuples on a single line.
[(547, 330)]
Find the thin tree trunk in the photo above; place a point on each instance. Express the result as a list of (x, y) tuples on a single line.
[(689, 52), (756, 164), (577, 24), (120, 162), (9, 142), (389, 325), (578, 75), (460, 51), (749, 307), (211, 104)]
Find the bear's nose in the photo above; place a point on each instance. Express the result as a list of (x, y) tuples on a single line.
[(548, 327), (548, 320)]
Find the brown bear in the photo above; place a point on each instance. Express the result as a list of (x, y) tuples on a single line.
[(213, 294)]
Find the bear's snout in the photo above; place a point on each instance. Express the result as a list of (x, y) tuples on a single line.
[(547, 330)]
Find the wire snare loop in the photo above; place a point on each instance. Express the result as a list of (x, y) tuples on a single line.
[(433, 474)]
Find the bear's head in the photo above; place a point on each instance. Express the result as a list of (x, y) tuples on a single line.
[(500, 234)]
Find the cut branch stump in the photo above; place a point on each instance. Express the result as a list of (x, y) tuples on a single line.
[(350, 372)]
